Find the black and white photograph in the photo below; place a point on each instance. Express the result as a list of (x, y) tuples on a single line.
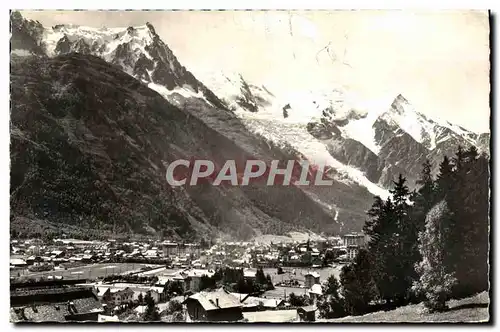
[(250, 166)]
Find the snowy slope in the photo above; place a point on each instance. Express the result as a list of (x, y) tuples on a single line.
[(102, 42), (284, 118)]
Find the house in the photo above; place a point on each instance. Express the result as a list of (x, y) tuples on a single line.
[(117, 296), (270, 304), (87, 258), (157, 293), (315, 292), (217, 306), (39, 303), (194, 279), (352, 251), (307, 314), (33, 259), (311, 278), (169, 249), (17, 262), (192, 249), (249, 274), (252, 303), (151, 253), (353, 239), (57, 254)]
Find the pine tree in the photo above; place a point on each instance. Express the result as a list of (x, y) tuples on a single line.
[(269, 282), (435, 283), (331, 305), (380, 228), (479, 203), (427, 188), (151, 314), (260, 277), (408, 228), (393, 233), (358, 286), (472, 223), (444, 179)]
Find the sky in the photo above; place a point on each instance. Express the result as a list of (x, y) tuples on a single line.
[(438, 60)]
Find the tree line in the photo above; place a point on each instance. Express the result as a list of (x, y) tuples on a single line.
[(235, 280), (429, 244)]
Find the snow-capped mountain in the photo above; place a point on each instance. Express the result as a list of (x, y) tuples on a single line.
[(139, 51), (366, 144), (236, 92)]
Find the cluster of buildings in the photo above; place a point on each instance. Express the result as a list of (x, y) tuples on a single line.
[(98, 299), (38, 256)]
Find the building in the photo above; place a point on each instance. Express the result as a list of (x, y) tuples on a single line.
[(218, 306), (117, 296), (311, 278), (352, 251), (307, 314), (194, 279), (352, 243), (249, 274), (315, 292), (170, 249), (56, 301), (17, 262), (192, 249), (353, 239)]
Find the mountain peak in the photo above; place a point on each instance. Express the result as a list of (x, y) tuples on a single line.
[(400, 104), (151, 28), (138, 50)]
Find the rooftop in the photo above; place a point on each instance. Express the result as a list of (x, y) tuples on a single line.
[(219, 299)]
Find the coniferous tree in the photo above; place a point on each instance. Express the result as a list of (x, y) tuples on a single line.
[(444, 179), (380, 229), (479, 203), (358, 286), (260, 277), (406, 251), (471, 205), (426, 193), (151, 314), (331, 305)]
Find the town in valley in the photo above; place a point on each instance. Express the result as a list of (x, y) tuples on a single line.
[(115, 280)]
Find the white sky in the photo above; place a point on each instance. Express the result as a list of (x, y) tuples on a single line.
[(438, 60)]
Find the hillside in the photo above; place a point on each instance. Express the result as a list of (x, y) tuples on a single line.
[(469, 310), (88, 147)]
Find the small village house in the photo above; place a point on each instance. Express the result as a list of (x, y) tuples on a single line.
[(311, 278), (217, 306), (307, 314), (118, 296)]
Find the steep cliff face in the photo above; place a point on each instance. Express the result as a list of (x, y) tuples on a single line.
[(26, 36)]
